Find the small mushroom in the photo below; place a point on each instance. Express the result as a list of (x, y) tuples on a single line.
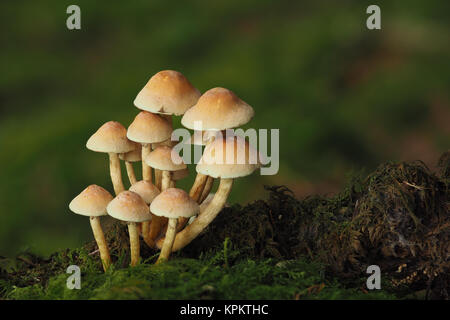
[(92, 202), (130, 207), (227, 159), (172, 204), (161, 159), (130, 157), (111, 138)]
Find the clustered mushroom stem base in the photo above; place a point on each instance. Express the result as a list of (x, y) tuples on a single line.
[(168, 241), (195, 193), (130, 172), (205, 217), (134, 243), (146, 169), (115, 172), (101, 242)]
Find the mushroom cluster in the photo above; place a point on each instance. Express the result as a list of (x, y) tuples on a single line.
[(166, 217)]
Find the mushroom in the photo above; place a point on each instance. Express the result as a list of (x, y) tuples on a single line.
[(162, 159), (148, 191), (217, 109), (148, 128), (130, 157), (92, 202), (168, 93), (130, 207), (227, 159), (111, 138), (172, 204)]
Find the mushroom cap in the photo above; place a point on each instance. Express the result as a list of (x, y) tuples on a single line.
[(180, 174), (91, 202), (147, 190), (174, 203), (110, 137), (129, 206), (148, 127), (218, 109), (161, 159), (167, 92), (229, 157), (133, 155)]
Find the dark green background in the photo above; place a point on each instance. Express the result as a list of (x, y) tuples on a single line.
[(344, 97)]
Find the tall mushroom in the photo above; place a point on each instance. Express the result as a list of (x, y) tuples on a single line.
[(111, 138), (227, 159), (130, 157), (162, 159), (128, 206), (92, 202), (147, 129), (172, 204), (168, 93)]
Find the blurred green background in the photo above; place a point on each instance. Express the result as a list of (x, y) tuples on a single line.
[(344, 97)]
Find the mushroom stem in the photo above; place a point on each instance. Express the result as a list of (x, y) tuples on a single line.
[(165, 181), (130, 172), (158, 178), (208, 186), (147, 176), (115, 172), (189, 233), (134, 243), (146, 169), (195, 193), (101, 242), (168, 241), (173, 184)]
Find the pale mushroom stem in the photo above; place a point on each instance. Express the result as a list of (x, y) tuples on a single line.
[(147, 176), (165, 181), (195, 193), (173, 184), (205, 217), (115, 172), (134, 243), (208, 186), (168, 241), (130, 172), (101, 242), (146, 169)]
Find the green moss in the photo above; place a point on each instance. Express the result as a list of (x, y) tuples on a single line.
[(207, 278), (282, 248)]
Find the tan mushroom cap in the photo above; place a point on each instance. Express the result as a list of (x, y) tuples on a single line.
[(149, 128), (230, 157), (180, 174), (129, 206), (167, 92), (91, 202), (218, 109), (133, 155), (110, 137), (161, 159), (174, 203), (147, 190)]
